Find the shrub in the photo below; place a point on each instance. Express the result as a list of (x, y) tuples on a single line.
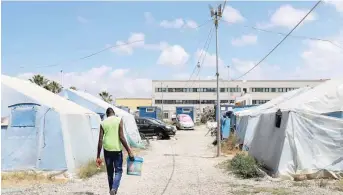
[(245, 166), (90, 169)]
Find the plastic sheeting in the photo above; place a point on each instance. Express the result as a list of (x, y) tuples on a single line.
[(307, 141), (59, 140), (249, 118), (99, 106)]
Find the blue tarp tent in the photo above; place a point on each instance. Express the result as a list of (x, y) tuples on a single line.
[(45, 132), (99, 106)]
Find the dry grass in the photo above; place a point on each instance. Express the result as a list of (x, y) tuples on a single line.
[(229, 147), (301, 184), (25, 178), (90, 169), (338, 186), (275, 191)]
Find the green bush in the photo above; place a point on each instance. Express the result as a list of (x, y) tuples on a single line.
[(245, 166)]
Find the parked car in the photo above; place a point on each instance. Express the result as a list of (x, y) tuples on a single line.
[(154, 127), (184, 121)]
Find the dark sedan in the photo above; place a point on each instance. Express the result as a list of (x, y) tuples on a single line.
[(154, 127)]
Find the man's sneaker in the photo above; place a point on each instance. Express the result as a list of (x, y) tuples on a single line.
[(113, 192)]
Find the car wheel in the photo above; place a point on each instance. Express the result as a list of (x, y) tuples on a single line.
[(160, 136)]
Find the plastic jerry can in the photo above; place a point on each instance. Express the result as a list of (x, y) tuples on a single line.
[(134, 167)]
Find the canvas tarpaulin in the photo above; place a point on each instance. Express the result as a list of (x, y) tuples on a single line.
[(45, 132), (307, 141), (99, 106)]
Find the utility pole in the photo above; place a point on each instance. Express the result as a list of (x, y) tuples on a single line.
[(162, 100), (228, 83), (62, 78), (216, 15), (198, 65)]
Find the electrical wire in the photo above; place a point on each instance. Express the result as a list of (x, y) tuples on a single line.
[(203, 59), (265, 57), (107, 48), (206, 45)]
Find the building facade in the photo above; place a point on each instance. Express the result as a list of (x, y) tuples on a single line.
[(133, 103), (168, 94)]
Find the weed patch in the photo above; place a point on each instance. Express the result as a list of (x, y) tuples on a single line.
[(245, 166), (90, 169)]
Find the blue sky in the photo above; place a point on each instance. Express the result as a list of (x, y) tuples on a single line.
[(37, 34)]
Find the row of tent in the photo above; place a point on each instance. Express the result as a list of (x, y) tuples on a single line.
[(297, 133), (52, 132)]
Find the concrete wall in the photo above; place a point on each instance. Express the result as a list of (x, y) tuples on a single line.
[(133, 103)]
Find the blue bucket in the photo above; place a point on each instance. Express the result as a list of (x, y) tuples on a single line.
[(134, 167)]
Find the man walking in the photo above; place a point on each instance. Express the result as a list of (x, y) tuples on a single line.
[(112, 137)]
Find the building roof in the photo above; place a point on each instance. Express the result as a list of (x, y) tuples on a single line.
[(42, 96), (213, 80)]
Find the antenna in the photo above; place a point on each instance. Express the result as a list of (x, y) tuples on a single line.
[(212, 10), (220, 10)]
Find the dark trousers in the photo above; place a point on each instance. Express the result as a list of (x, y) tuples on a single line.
[(114, 167)]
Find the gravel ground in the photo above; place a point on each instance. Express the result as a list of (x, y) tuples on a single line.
[(182, 166)]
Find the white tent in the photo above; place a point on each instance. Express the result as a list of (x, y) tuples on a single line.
[(45, 131), (307, 141), (248, 118), (99, 106)]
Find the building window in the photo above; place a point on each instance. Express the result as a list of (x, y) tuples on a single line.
[(258, 102), (273, 89), (23, 115), (158, 101), (224, 101), (150, 109), (165, 115), (163, 90), (222, 89)]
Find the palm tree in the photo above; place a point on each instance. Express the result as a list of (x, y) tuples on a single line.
[(39, 80), (73, 88), (54, 87), (106, 96)]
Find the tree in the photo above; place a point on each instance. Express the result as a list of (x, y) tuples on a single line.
[(73, 88), (106, 96), (39, 80), (54, 87)]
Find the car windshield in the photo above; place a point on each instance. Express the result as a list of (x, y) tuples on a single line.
[(185, 118)]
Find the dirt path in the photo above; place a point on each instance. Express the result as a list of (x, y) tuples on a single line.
[(182, 166)]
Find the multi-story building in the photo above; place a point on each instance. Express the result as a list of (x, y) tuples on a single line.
[(168, 94)]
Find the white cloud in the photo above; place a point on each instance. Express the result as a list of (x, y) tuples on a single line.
[(244, 40), (118, 82), (337, 4), (135, 40), (207, 59), (173, 56), (179, 23), (82, 19), (262, 72), (322, 59), (288, 16), (149, 18), (232, 15)]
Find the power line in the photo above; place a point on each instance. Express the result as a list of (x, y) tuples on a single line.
[(107, 48), (293, 36), (203, 59), (280, 41), (202, 51)]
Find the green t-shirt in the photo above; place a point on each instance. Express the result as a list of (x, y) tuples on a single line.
[(111, 140)]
